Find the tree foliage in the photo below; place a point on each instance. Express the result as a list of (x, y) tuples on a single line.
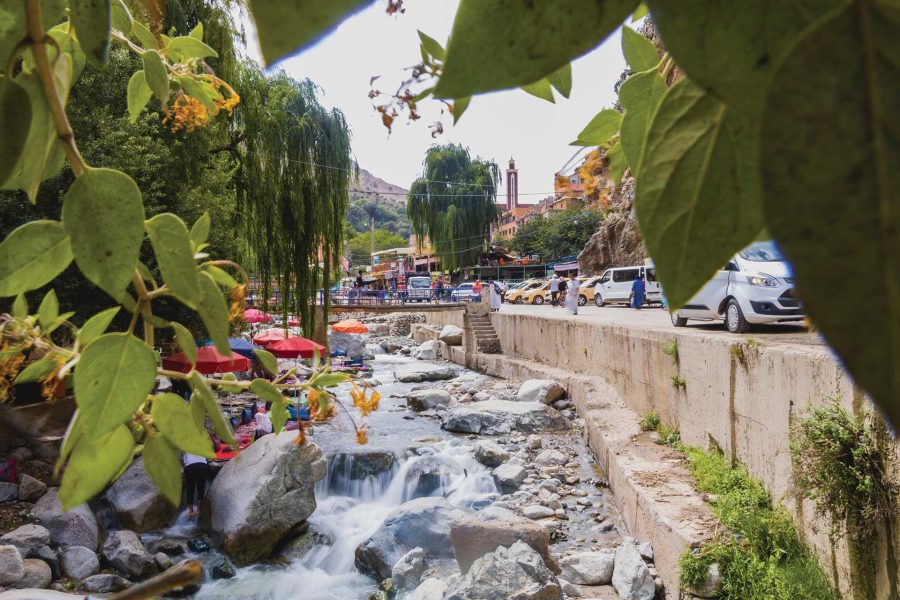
[(360, 245), (556, 236)]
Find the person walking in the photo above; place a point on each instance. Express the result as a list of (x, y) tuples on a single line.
[(496, 290), (563, 285), (554, 289), (572, 294), (196, 473), (476, 290), (638, 288)]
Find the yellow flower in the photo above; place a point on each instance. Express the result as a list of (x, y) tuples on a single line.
[(362, 438), (236, 312), (186, 113)]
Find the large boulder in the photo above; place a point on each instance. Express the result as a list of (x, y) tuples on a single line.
[(124, 550), (587, 568), (37, 574), (631, 578), (518, 570), (420, 400), (76, 527), (348, 468), (262, 494), (422, 523), (451, 335), (79, 562), (417, 373), (27, 538), (137, 502), (430, 350), (103, 583), (545, 391), (490, 453), (509, 477), (473, 537), (351, 343), (12, 569), (497, 417), (30, 489)]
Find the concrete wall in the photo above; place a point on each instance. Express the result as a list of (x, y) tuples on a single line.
[(739, 396)]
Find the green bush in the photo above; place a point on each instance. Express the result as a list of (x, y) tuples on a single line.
[(650, 422)]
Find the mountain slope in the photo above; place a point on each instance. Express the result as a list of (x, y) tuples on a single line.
[(389, 199)]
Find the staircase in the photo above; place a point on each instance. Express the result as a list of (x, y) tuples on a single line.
[(479, 332)]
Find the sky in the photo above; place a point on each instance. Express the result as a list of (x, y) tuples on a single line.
[(496, 126)]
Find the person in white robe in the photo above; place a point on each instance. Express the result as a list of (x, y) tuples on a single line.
[(572, 295), (496, 290)]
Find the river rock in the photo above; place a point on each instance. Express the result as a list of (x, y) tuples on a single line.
[(162, 561), (351, 343), (300, 546), (497, 417), (35, 594), (545, 391), (104, 583), (348, 467), (407, 572), (451, 335), (490, 454), (50, 556), (79, 562), (428, 474), (222, 569), (518, 570), (551, 457), (124, 550), (30, 489), (417, 373), (536, 511), (137, 502), (399, 323), (37, 574), (431, 588), (9, 492), (77, 527), (631, 578), (588, 568), (711, 586), (12, 568), (420, 400), (509, 477), (27, 538), (262, 494), (473, 537), (430, 350), (422, 523)]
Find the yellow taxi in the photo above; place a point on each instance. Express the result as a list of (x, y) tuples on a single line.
[(537, 295), (514, 296), (585, 290)]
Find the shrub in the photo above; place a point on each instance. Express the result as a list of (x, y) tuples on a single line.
[(677, 382), (650, 422), (671, 350)]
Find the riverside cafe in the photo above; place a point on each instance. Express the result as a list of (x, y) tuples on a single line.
[(498, 264)]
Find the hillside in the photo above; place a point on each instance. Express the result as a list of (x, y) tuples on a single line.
[(385, 193), (389, 201)]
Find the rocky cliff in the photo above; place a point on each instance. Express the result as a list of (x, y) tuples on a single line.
[(617, 241)]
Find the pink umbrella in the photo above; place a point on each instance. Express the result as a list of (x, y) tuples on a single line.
[(294, 347), (209, 360), (293, 322), (270, 336), (253, 315)]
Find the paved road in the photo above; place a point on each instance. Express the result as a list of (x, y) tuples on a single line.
[(655, 318)]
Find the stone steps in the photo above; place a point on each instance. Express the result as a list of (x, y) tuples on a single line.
[(480, 333)]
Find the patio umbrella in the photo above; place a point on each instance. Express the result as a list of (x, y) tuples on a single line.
[(293, 322), (349, 326), (242, 347), (254, 315), (270, 336), (208, 361), (294, 347)]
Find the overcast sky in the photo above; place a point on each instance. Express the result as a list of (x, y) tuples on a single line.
[(496, 126)]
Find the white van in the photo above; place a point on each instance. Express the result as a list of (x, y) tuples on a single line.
[(419, 289), (614, 286), (756, 286)]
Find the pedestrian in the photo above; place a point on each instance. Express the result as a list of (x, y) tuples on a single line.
[(496, 290), (196, 473), (638, 287), (263, 423), (554, 289), (572, 294), (476, 290), (563, 285)]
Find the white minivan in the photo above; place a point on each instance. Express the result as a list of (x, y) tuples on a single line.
[(614, 286), (756, 286)]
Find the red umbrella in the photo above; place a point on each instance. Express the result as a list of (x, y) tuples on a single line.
[(293, 322), (253, 315), (270, 336), (208, 361), (294, 347)]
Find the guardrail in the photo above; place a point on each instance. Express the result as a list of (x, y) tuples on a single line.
[(366, 297)]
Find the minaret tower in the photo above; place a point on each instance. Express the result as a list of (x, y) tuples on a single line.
[(512, 185)]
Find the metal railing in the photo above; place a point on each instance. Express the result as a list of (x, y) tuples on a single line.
[(366, 297)]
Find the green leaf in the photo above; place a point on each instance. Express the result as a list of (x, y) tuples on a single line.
[(510, 43), (459, 107), (214, 312), (172, 417), (540, 89), (602, 127), (185, 341), (222, 277), (157, 321), (112, 379), (20, 307), (91, 19), (104, 216), (144, 271), (37, 370), (163, 463), (617, 163), (283, 32), (190, 47), (32, 256), (331, 379), (198, 411), (640, 96), (211, 407), (432, 46), (94, 462), (144, 36), (197, 32), (121, 17), (200, 90), (48, 311), (232, 389), (265, 390), (267, 360), (12, 24), (833, 207), (73, 433), (15, 120), (175, 255), (279, 415), (156, 75), (640, 53), (96, 326), (561, 79), (200, 230), (694, 205), (139, 94), (54, 325), (640, 12)]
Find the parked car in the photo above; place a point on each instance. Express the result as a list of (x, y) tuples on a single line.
[(586, 291), (463, 292), (537, 294), (614, 285), (756, 286), (515, 296), (418, 289)]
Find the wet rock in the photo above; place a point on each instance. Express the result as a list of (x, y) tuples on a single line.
[(545, 391), (390, 347), (646, 551), (27, 538), (407, 572), (536, 511), (353, 344), (496, 417), (162, 560), (37, 574), (137, 502), (9, 492), (77, 527), (588, 568), (12, 568), (429, 474), (346, 468), (124, 550), (451, 335), (430, 350), (262, 494), (509, 477), (49, 556), (170, 546), (222, 569), (518, 570), (198, 544), (79, 562), (551, 457), (631, 578), (423, 523), (427, 399), (417, 373), (300, 546), (473, 537), (490, 454), (104, 583), (430, 589), (712, 584), (30, 489)]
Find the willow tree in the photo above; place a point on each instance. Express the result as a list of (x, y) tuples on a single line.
[(292, 186), (453, 204)]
